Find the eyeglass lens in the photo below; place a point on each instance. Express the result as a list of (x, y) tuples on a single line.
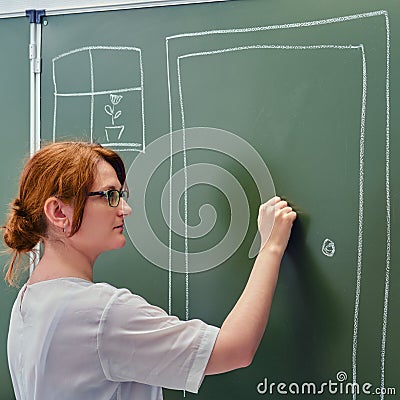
[(113, 198)]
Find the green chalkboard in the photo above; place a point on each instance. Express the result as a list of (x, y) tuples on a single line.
[(304, 93), (14, 149)]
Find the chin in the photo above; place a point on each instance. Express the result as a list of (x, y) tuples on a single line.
[(114, 246), (122, 243), (117, 243)]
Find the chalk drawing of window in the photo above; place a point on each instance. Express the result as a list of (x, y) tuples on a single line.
[(98, 96)]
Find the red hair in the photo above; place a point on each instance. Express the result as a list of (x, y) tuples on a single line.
[(65, 170)]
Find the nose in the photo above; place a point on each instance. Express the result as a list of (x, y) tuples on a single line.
[(126, 210)]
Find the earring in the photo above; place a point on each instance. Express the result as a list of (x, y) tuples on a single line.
[(64, 228)]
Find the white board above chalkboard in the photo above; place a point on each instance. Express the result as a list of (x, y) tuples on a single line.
[(18, 8)]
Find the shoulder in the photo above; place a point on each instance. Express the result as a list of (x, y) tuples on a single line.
[(76, 295), (122, 304), (114, 295), (105, 296)]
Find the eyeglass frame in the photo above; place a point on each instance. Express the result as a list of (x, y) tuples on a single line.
[(106, 193)]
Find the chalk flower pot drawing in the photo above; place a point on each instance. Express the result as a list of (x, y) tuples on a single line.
[(114, 132)]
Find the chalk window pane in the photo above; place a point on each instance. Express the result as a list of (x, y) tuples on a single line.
[(72, 118), (115, 69), (72, 73), (120, 122)]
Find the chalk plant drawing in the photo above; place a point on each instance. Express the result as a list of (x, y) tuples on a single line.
[(114, 130)]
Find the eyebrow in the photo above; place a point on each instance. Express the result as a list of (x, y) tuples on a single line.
[(109, 187)]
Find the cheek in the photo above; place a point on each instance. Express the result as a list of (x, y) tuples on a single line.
[(94, 224), (93, 235)]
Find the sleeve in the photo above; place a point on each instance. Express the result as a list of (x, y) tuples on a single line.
[(142, 343)]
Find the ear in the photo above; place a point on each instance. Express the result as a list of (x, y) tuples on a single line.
[(58, 213)]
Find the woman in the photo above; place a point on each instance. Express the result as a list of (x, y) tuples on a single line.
[(70, 338)]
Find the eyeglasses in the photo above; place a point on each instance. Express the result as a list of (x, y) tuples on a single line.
[(112, 195)]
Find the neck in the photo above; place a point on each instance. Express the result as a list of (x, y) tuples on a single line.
[(62, 261)]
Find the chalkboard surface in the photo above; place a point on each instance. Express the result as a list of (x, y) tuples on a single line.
[(14, 149), (302, 93)]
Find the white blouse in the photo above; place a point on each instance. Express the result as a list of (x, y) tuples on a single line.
[(73, 339)]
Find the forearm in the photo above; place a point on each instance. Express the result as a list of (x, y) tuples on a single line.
[(244, 327), (250, 315)]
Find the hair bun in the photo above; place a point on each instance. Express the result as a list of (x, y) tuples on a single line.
[(18, 208)]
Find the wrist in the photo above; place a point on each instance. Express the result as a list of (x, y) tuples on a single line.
[(272, 250)]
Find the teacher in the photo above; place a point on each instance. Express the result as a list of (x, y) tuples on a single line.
[(70, 338)]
